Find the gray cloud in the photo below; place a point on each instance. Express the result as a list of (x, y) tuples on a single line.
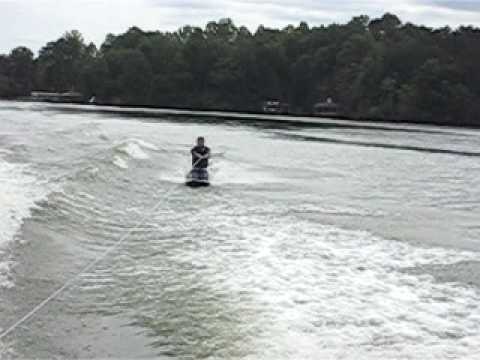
[(463, 5), (34, 22)]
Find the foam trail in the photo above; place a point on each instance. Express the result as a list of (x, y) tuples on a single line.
[(144, 144), (135, 149), (20, 191), (121, 163)]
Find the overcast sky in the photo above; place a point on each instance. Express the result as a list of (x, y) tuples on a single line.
[(34, 22)]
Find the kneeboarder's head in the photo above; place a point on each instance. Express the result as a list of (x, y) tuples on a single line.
[(201, 141)]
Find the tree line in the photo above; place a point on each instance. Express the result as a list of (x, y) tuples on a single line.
[(376, 69)]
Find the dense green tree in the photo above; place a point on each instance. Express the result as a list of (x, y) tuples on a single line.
[(17, 73), (5, 87), (380, 68), (130, 76), (21, 71), (60, 63)]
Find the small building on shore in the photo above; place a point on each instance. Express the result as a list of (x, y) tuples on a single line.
[(327, 108), (275, 107)]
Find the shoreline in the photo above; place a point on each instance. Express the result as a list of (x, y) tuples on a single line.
[(251, 118)]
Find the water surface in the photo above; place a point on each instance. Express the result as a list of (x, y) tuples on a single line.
[(335, 242)]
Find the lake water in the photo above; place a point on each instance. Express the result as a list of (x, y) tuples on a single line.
[(313, 242)]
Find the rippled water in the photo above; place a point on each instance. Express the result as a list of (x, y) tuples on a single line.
[(336, 242)]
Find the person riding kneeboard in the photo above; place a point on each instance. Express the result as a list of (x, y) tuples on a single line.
[(200, 161), (200, 154)]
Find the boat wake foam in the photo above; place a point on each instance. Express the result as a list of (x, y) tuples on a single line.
[(21, 190), (135, 149)]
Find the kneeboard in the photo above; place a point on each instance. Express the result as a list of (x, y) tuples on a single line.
[(198, 178)]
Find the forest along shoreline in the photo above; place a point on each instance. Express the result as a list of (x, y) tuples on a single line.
[(381, 69)]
